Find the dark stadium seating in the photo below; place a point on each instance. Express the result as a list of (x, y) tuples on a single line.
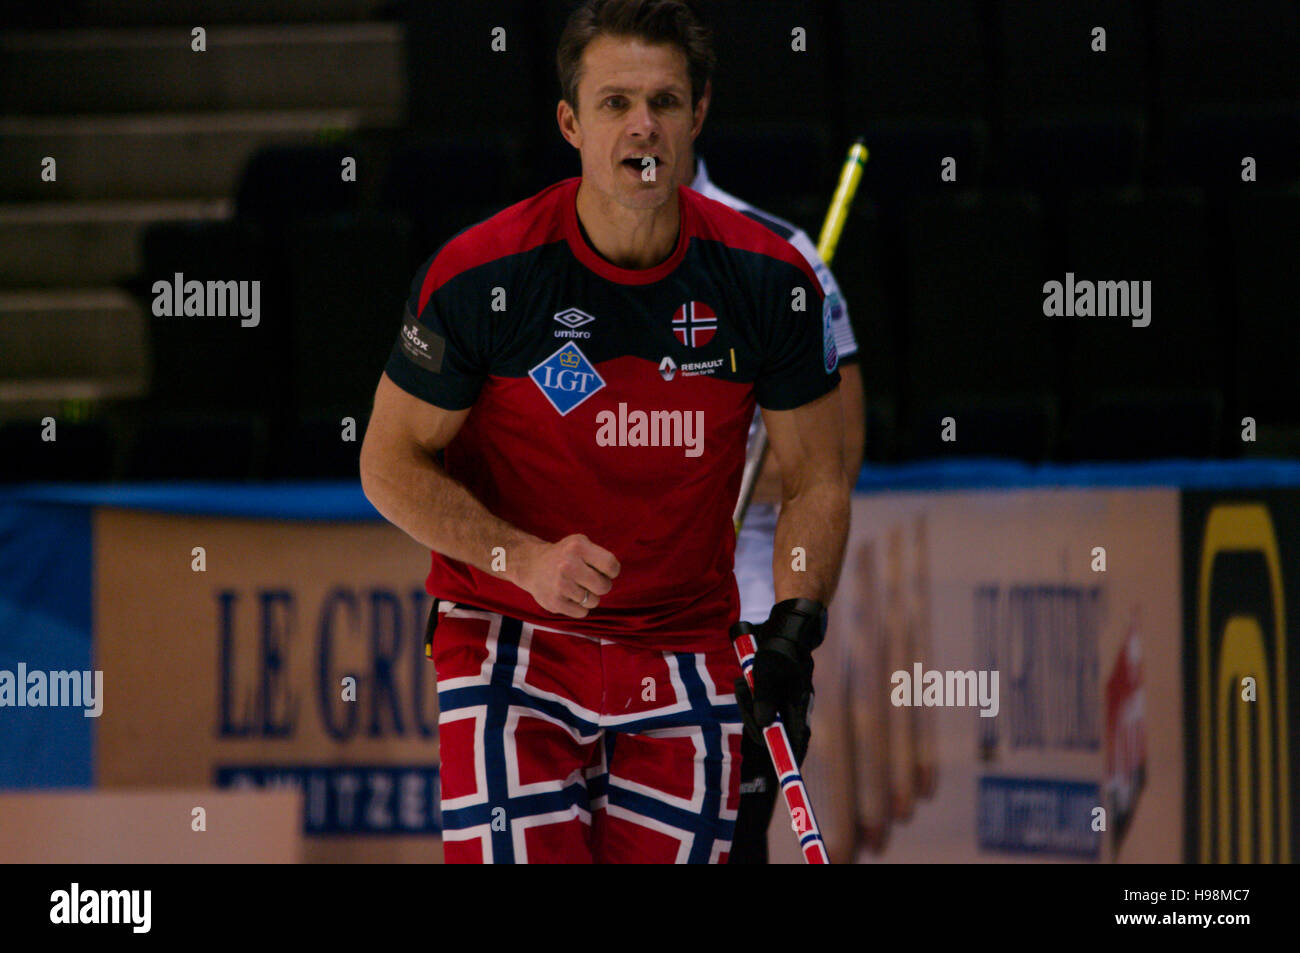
[(908, 155), (1071, 117), (1122, 165), (873, 311), (979, 349), (1265, 236), (314, 448), (457, 83), (196, 446), (921, 58), (1056, 154), (1229, 87), (1243, 52), (550, 159), (442, 185), (765, 163), (348, 280), (785, 170), (213, 363), (1155, 391), (82, 452), (283, 183), (760, 77), (1206, 147), (1049, 65)]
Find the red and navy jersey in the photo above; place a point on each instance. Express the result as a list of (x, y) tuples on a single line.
[(613, 402)]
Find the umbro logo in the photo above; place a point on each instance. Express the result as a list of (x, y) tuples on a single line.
[(572, 319)]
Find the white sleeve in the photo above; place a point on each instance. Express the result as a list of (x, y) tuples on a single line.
[(845, 343)]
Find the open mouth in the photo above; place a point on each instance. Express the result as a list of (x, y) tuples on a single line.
[(641, 164)]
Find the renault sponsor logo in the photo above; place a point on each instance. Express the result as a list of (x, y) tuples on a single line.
[(668, 368)]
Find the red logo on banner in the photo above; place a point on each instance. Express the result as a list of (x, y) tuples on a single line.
[(694, 323)]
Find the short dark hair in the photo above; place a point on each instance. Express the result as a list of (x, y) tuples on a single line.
[(653, 21)]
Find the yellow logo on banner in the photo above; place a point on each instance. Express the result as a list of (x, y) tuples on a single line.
[(1241, 652)]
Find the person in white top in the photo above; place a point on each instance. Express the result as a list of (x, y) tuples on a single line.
[(755, 543)]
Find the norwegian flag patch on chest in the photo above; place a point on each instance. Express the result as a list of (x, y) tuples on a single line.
[(694, 324)]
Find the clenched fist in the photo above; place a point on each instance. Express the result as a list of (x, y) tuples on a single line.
[(568, 577)]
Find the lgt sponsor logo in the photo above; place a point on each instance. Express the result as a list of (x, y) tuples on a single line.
[(566, 378)]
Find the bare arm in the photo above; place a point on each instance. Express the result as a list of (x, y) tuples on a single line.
[(853, 408), (808, 444), (406, 485)]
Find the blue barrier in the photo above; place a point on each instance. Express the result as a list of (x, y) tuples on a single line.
[(344, 501)]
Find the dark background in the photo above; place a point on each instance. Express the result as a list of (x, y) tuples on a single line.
[(1122, 165)]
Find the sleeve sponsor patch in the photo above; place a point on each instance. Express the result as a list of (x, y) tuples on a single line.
[(421, 345), (831, 308)]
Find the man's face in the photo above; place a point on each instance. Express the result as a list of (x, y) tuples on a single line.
[(634, 100)]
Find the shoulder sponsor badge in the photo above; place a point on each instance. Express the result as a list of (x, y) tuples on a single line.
[(829, 310), (420, 344), (824, 277), (567, 378)]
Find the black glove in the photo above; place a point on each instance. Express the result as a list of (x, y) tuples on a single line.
[(783, 672), (793, 716), (758, 790)]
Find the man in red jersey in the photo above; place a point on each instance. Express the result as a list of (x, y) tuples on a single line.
[(587, 362)]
